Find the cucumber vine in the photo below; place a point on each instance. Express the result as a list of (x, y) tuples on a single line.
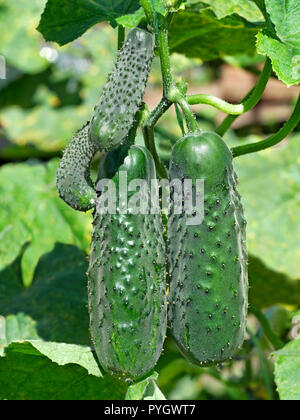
[(173, 95)]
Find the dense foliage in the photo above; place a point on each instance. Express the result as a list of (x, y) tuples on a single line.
[(53, 80)]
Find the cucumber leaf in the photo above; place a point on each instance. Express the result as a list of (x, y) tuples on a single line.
[(32, 213), (145, 390), (281, 40), (17, 327), (64, 21), (50, 371), (54, 307), (287, 368), (198, 32), (245, 8)]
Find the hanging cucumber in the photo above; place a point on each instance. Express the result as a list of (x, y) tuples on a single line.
[(122, 95), (73, 177), (127, 276), (208, 262)]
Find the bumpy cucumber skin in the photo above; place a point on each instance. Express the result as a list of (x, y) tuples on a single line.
[(73, 176), (122, 95), (208, 297), (127, 282)]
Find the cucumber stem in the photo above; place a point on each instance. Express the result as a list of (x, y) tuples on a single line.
[(171, 94), (157, 112), (265, 371), (148, 9), (251, 99), (188, 114), (276, 138), (165, 58), (269, 333), (170, 90), (148, 133), (179, 119), (121, 36), (217, 103)]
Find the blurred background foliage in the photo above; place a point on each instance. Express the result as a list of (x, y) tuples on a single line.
[(49, 93)]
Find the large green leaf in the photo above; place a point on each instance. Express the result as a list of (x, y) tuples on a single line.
[(281, 41), (20, 43), (65, 20), (287, 371), (270, 185), (245, 8), (26, 373), (31, 212), (54, 307), (64, 354), (197, 32), (17, 327)]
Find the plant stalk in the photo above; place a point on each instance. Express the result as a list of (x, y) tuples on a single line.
[(148, 133), (148, 9), (276, 138), (251, 99), (269, 333), (121, 36)]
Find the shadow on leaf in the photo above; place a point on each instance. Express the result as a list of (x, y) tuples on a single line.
[(57, 299), (269, 287)]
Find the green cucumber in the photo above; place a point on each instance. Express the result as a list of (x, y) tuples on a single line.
[(208, 297), (127, 277), (122, 95), (73, 176)]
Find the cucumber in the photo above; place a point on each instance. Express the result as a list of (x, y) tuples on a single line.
[(73, 176), (127, 277), (208, 296), (122, 95)]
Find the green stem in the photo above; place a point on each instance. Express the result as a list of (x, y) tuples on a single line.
[(188, 114), (165, 57), (268, 380), (288, 127), (148, 9), (228, 121), (121, 36), (248, 371), (170, 93), (269, 333), (251, 99), (157, 112), (148, 133), (166, 102), (179, 119), (218, 103)]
